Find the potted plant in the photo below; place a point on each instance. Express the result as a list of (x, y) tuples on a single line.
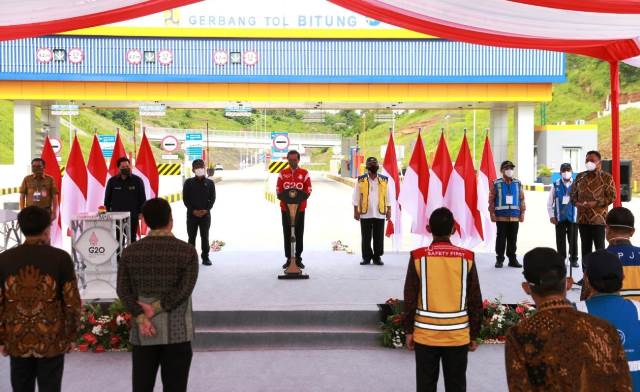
[(544, 174)]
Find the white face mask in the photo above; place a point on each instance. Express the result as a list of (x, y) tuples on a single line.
[(566, 175), (590, 166), (200, 172), (508, 173)]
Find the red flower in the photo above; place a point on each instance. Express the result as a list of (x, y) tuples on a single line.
[(89, 338), (501, 338), (91, 319), (115, 342), (99, 349), (485, 304), (83, 347), (519, 309)]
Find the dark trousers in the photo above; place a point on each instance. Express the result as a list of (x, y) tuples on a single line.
[(507, 236), (372, 228), (47, 371), (590, 236), (567, 231), (134, 229), (286, 230), (174, 361), (454, 368), (193, 224)]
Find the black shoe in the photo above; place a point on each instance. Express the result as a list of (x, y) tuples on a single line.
[(206, 261), (579, 283), (365, 262), (499, 263), (285, 265), (514, 263), (378, 262), (574, 264), (299, 262)]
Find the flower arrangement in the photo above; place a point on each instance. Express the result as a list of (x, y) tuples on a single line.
[(339, 246), (499, 317), (104, 328), (216, 246), (393, 334)]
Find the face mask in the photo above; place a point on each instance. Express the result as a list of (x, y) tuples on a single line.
[(200, 172), (508, 173), (373, 169), (125, 171), (590, 166), (566, 175)]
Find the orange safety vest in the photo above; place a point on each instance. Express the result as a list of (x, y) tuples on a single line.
[(441, 315)]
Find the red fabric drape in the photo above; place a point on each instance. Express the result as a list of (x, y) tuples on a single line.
[(608, 6), (98, 19), (608, 50)]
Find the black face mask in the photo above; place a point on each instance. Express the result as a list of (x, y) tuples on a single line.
[(37, 170), (125, 171), (373, 169)]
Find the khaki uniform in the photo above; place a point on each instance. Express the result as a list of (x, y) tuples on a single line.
[(39, 191)]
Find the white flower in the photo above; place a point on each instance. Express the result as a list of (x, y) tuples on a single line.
[(97, 330), (120, 320)]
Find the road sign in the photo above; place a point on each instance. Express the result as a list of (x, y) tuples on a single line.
[(170, 157), (55, 144), (152, 110), (169, 143), (279, 144), (193, 146), (65, 110), (107, 142)]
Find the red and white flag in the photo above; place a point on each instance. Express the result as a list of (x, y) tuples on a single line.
[(118, 152), (462, 198), (52, 168), (414, 191), (147, 170), (74, 185), (441, 169), (390, 169), (97, 177), (486, 177)]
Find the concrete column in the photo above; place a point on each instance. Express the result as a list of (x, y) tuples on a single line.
[(524, 143), (50, 122), (24, 128), (499, 134)]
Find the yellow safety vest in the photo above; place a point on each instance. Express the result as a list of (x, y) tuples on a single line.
[(441, 315), (363, 185)]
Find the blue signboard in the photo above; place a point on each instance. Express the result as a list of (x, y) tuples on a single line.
[(193, 146), (107, 142)]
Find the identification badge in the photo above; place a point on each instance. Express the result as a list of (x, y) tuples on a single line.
[(566, 199), (44, 193), (37, 196), (509, 199)]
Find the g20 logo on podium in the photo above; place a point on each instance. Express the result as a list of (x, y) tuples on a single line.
[(96, 245)]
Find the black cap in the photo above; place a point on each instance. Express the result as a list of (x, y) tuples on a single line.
[(604, 269), (543, 267), (565, 167), (507, 164), (372, 160)]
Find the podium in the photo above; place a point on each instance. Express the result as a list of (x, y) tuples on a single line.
[(293, 198), (97, 242)]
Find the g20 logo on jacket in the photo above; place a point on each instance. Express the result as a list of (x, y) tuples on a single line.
[(292, 184)]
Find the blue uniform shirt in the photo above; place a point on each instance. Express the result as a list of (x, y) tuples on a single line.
[(624, 315)]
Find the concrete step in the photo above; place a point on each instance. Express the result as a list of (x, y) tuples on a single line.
[(240, 330)]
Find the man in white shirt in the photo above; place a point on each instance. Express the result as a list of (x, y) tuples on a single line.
[(562, 213), (371, 206)]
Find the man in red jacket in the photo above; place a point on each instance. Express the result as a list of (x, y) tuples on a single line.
[(297, 178)]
